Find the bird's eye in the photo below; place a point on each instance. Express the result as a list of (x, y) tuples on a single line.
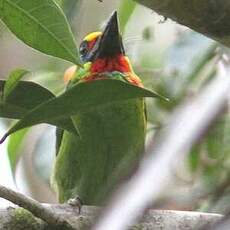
[(83, 49)]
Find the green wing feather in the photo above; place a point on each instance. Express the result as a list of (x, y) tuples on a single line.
[(112, 137)]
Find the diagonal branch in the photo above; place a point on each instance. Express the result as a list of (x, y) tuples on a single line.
[(36, 208), (14, 218)]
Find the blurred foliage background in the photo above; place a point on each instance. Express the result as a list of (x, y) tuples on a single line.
[(170, 59)]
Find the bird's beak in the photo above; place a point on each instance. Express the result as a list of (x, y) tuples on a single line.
[(110, 43)]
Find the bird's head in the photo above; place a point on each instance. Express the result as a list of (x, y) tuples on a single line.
[(104, 50), (103, 45), (87, 45)]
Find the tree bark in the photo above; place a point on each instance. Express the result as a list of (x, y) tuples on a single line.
[(209, 17), (20, 219)]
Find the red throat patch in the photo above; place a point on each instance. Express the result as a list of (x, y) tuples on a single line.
[(118, 63)]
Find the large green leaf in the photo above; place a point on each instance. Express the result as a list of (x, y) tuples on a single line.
[(13, 81), (81, 97), (25, 97), (42, 25)]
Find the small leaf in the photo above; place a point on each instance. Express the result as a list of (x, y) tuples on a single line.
[(13, 147), (12, 81), (25, 97), (42, 25), (81, 97)]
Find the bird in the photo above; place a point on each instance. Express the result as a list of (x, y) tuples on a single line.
[(111, 137)]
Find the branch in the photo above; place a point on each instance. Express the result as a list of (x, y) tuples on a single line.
[(211, 18), (161, 219), (57, 215), (36, 208), (187, 124)]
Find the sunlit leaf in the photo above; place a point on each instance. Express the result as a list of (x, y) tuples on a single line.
[(42, 25), (14, 147)]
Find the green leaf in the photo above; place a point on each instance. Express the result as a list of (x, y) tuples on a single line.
[(194, 158), (25, 97), (81, 97), (14, 147), (125, 11), (12, 81), (42, 25)]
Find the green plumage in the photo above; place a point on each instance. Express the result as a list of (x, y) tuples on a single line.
[(111, 137), (111, 140)]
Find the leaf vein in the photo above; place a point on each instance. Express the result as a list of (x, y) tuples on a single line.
[(43, 27)]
